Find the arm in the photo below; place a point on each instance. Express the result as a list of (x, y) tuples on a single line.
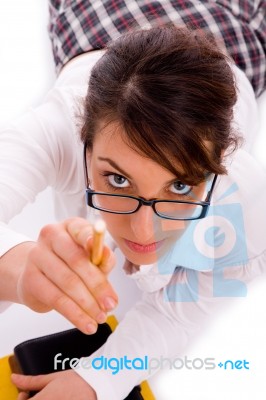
[(24, 158), (40, 149), (161, 329), (11, 267), (28, 152)]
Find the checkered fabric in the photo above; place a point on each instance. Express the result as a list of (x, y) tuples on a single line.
[(78, 26)]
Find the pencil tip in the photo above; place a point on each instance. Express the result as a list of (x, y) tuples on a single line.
[(99, 226)]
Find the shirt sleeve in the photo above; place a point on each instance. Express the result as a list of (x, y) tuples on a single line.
[(37, 151), (160, 327)]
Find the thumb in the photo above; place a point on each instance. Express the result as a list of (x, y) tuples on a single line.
[(23, 396), (108, 260), (29, 382)]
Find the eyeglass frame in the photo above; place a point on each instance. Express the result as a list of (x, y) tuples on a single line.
[(143, 202)]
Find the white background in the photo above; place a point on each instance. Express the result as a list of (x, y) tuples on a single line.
[(26, 73)]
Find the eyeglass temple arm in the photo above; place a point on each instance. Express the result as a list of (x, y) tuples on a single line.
[(211, 189), (85, 167)]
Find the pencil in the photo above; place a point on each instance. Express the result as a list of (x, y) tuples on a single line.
[(97, 244)]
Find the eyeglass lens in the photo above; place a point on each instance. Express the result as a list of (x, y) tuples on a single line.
[(122, 204)]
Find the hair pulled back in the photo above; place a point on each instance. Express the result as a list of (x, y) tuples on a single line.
[(171, 90)]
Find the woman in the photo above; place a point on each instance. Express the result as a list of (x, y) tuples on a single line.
[(157, 126)]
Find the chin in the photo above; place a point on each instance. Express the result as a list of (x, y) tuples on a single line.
[(141, 260)]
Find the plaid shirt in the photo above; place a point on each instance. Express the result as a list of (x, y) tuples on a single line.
[(78, 26)]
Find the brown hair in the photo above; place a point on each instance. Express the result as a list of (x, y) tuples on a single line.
[(171, 89)]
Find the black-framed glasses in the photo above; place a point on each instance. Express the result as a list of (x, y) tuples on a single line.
[(126, 204)]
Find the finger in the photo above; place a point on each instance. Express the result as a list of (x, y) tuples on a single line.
[(69, 281), (108, 260), (94, 279), (80, 230), (23, 396), (51, 295), (76, 258)]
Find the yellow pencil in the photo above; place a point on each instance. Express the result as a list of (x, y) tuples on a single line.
[(98, 241)]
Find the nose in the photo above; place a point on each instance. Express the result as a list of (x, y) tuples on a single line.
[(144, 224)]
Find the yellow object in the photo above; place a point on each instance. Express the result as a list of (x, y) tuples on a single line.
[(97, 244), (112, 322), (9, 392), (146, 391)]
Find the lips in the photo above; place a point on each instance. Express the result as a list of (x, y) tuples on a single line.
[(141, 248)]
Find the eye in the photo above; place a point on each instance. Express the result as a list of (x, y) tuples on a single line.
[(180, 188), (118, 181)]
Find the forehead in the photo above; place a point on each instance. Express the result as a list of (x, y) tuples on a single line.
[(112, 141)]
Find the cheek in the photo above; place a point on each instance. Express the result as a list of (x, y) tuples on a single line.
[(170, 225), (117, 225), (173, 231)]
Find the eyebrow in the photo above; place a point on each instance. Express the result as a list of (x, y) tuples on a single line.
[(124, 173), (114, 165)]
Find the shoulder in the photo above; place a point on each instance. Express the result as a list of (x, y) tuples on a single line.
[(245, 174), (240, 198), (66, 98), (77, 71)]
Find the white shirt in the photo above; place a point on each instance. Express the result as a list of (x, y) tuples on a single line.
[(210, 264)]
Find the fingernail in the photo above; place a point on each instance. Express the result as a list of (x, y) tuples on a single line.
[(109, 303), (101, 318), (91, 328)]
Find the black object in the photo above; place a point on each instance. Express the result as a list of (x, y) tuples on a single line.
[(36, 356)]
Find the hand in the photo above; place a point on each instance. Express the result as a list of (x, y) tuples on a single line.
[(58, 275), (65, 385)]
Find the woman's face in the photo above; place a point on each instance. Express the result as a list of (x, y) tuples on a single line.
[(114, 167)]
